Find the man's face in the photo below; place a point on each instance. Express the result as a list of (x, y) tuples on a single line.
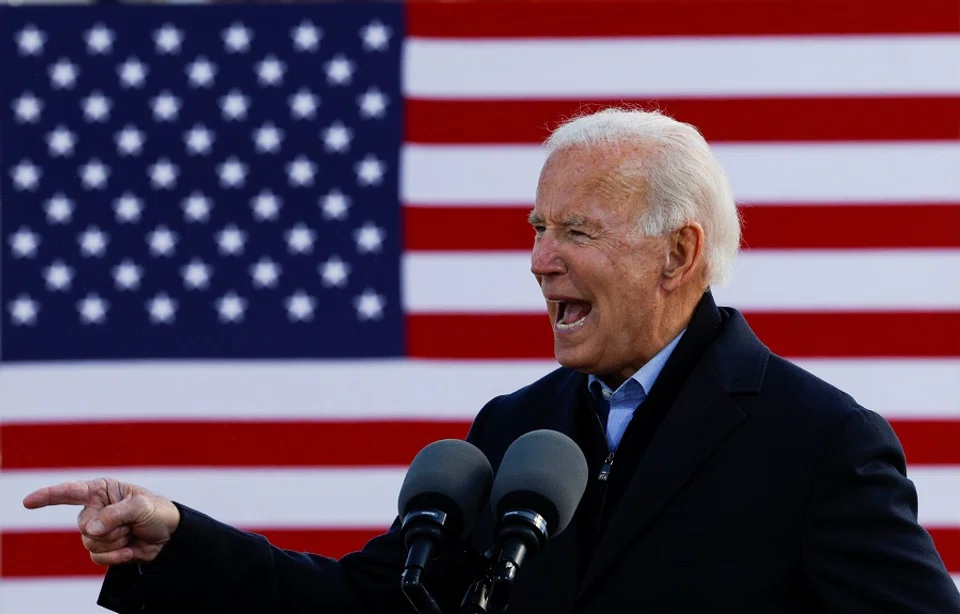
[(599, 274)]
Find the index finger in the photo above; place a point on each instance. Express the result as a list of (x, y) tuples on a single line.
[(67, 493)]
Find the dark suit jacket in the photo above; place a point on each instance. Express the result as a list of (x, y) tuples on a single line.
[(747, 485)]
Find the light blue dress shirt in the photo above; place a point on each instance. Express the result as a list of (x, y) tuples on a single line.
[(631, 393)]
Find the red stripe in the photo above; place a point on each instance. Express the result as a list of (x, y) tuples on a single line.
[(794, 335), (61, 553), (220, 444), (680, 18), (720, 120), (765, 226), (58, 446), (929, 442)]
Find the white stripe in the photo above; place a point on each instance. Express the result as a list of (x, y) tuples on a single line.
[(276, 498), (252, 390), (759, 173), (864, 280), (264, 498), (679, 66), (215, 390), (43, 596), (76, 596)]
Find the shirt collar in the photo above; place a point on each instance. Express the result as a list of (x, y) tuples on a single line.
[(646, 376)]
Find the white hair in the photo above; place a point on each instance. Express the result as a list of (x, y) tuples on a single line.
[(682, 179)]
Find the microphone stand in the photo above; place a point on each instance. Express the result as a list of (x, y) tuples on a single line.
[(477, 598)]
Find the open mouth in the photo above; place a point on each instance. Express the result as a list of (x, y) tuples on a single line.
[(572, 314)]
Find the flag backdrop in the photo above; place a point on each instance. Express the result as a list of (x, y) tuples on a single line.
[(254, 258)]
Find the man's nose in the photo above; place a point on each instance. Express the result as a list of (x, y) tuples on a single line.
[(546, 259)]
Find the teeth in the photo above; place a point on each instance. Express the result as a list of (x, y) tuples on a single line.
[(579, 322)]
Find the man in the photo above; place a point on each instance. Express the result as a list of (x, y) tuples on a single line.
[(722, 476)]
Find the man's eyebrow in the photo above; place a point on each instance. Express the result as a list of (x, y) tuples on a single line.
[(574, 220)]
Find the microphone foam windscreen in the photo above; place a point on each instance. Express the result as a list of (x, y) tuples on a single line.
[(451, 475), (543, 471)]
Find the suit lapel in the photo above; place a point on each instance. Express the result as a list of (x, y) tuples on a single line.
[(701, 417)]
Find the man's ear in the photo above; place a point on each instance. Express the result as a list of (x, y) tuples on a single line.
[(684, 253)]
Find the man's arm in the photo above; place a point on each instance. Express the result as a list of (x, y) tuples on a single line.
[(864, 550), (208, 566)]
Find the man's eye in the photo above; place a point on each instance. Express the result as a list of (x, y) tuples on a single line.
[(578, 233), (539, 229)]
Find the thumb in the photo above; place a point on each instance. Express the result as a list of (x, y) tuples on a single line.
[(125, 512)]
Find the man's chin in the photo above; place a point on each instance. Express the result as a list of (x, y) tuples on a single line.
[(572, 357)]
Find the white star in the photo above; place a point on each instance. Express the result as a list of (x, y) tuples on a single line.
[(231, 307), (63, 74), (24, 243), (373, 103), (163, 174), (128, 208), (27, 108), (199, 140), (196, 207), (129, 141), (168, 39), (268, 138), (231, 240), (369, 171), (369, 305), (99, 39), (335, 205), (300, 172), (270, 71), (166, 107), (334, 272), (369, 238), (127, 275), (30, 40), (132, 73), (266, 205), (265, 273), (201, 72), (339, 70), (162, 241), (337, 137), (234, 105), (61, 142), (58, 276), (300, 306), (233, 173), (196, 275), (93, 242), (237, 38), (162, 309), (59, 209), (23, 310), (375, 36), (303, 104), (93, 309), (96, 107), (94, 174), (306, 36), (26, 175), (300, 239)]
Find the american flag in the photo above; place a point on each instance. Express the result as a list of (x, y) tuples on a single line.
[(256, 257)]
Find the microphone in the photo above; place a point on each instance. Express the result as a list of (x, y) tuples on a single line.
[(447, 484), (538, 487)]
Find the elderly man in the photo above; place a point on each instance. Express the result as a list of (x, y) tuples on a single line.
[(722, 476)]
